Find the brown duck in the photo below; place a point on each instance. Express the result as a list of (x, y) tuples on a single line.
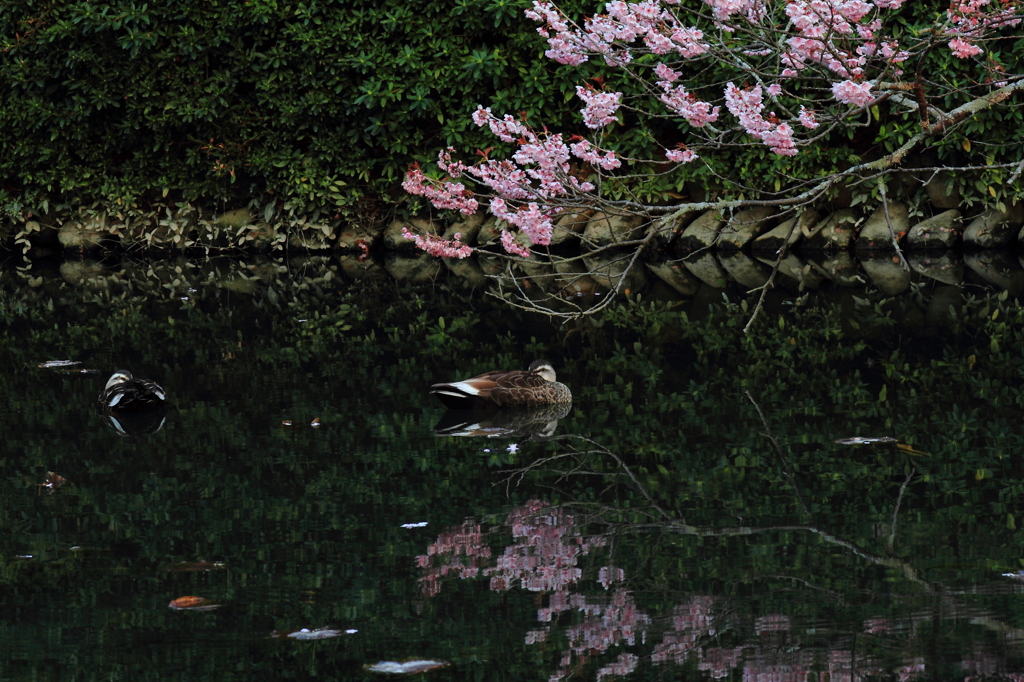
[(125, 393), (535, 386)]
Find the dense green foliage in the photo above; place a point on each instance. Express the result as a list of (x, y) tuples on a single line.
[(317, 105)]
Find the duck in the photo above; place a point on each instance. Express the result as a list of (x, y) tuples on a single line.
[(516, 388), (125, 393)]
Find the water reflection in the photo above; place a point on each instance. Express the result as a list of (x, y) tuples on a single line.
[(135, 424), (653, 527), (512, 423), (786, 621)]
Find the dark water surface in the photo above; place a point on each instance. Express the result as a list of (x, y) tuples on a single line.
[(692, 517)]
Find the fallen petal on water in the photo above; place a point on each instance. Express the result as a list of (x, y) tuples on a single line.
[(306, 633), (59, 363), (858, 440), (192, 566), (406, 668)]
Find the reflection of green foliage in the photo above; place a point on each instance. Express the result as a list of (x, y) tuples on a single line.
[(307, 520)]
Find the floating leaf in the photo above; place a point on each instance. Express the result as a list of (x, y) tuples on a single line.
[(52, 482), (193, 604)]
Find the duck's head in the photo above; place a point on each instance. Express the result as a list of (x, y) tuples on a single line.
[(118, 377), (544, 369)]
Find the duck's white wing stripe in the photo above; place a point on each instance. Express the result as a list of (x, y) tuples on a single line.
[(117, 399), (460, 389)]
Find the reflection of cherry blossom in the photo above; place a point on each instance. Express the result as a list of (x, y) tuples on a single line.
[(912, 671), (623, 665), (464, 541), (771, 623), (606, 623), (877, 626), (718, 663), (692, 622), (544, 556), (778, 666)]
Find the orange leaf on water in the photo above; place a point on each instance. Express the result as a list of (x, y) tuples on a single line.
[(193, 604)]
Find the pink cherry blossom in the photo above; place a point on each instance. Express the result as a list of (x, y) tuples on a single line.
[(848, 92), (807, 119), (696, 112), (963, 49), (443, 194), (508, 241), (601, 106), (680, 155), (746, 105), (586, 151), (436, 246)]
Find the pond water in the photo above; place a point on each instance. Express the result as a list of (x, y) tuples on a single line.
[(700, 513)]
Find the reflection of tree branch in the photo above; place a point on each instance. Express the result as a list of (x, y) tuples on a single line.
[(891, 562), (597, 449), (769, 285), (896, 510), (679, 525), (782, 457), (892, 230)]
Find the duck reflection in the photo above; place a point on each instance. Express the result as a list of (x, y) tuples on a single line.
[(135, 424), (521, 423)]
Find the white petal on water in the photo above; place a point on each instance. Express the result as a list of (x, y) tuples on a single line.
[(406, 668), (306, 633), (859, 440)]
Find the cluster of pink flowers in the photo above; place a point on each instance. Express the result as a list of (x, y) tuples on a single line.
[(436, 246), (970, 21), (747, 105), (680, 155), (607, 34), (537, 173), (443, 194), (849, 92), (601, 106), (807, 119), (697, 112)]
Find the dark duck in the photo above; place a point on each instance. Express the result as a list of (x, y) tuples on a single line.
[(125, 393)]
